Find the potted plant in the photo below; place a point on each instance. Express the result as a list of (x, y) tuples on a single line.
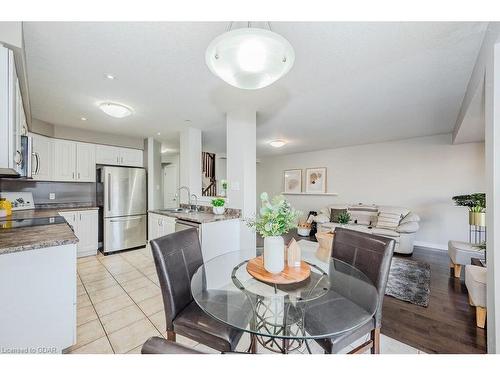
[(276, 217), (477, 207), (344, 218), (218, 206)]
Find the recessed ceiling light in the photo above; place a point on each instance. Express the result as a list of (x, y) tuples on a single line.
[(109, 76), (83, 118), (158, 133), (115, 110), (277, 143)]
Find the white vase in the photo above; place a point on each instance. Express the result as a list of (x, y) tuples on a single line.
[(218, 210), (274, 254)]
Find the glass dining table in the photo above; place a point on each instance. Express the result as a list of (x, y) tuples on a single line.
[(335, 299)]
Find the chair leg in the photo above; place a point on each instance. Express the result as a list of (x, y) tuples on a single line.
[(171, 336), (375, 337), (480, 316), (457, 270)]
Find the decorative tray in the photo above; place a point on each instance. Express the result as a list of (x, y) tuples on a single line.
[(289, 275)]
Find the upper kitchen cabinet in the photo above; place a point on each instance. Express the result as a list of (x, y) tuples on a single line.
[(85, 162), (111, 155), (43, 157), (74, 161), (12, 117)]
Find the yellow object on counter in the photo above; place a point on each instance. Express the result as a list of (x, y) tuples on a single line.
[(6, 205)]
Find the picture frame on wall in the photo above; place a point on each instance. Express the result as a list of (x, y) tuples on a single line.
[(316, 180), (292, 179)]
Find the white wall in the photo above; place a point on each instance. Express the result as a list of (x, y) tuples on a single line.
[(152, 155), (83, 135), (419, 173)]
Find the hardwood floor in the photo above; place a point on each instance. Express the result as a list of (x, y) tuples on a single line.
[(447, 325)]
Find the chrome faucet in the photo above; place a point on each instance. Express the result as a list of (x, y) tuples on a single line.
[(178, 194), (195, 202)]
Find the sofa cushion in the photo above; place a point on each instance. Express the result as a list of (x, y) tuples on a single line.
[(335, 212), (388, 220), (408, 227), (363, 214), (475, 281), (394, 210), (411, 217)]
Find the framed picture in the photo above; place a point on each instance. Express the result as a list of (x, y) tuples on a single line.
[(293, 180), (316, 180)]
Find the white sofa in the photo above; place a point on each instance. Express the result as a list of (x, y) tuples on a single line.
[(398, 223)]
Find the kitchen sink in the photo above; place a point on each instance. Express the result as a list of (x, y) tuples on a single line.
[(177, 210)]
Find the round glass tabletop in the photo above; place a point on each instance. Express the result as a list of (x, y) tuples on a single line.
[(335, 298)]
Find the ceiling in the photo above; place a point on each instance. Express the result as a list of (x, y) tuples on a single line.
[(352, 83)]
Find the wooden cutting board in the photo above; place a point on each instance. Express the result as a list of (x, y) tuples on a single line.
[(289, 275)]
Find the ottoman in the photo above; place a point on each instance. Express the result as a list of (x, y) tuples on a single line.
[(475, 281), (461, 253)]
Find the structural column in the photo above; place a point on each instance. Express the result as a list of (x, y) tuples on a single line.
[(241, 168), (492, 150)]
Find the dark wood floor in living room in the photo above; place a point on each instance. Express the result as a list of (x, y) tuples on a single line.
[(447, 325)]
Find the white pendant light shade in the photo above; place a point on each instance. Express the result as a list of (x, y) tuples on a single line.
[(115, 110), (250, 58)]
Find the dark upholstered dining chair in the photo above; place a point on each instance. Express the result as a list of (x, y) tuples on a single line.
[(371, 255), (158, 345), (177, 256)]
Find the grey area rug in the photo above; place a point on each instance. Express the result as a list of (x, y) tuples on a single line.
[(409, 281)]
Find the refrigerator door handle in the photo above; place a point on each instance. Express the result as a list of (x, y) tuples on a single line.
[(109, 191), (125, 219)]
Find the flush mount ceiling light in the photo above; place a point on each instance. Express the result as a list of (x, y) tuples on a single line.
[(115, 110), (250, 58), (277, 143), (109, 76), (83, 118)]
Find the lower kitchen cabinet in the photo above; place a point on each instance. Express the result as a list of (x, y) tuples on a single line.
[(160, 225), (85, 225)]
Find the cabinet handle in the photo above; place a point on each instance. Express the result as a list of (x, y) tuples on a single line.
[(122, 159), (109, 191), (37, 156), (78, 175), (80, 217)]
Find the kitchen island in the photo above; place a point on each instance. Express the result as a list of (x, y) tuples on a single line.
[(37, 286), (219, 234)]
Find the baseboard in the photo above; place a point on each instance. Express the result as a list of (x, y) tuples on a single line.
[(431, 246)]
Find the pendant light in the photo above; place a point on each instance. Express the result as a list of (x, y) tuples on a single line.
[(250, 58)]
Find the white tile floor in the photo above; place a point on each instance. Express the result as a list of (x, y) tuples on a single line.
[(120, 307)]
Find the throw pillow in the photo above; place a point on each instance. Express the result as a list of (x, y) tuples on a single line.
[(334, 214), (388, 220)]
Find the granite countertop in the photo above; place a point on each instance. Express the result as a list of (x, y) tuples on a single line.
[(200, 217), (29, 238), (45, 212), (36, 237)]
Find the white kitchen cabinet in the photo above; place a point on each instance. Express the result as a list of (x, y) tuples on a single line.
[(85, 162), (131, 157), (64, 160), (11, 115), (85, 225), (38, 294), (43, 158), (111, 155), (160, 225), (74, 161)]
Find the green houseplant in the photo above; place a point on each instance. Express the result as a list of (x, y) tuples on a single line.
[(276, 217), (477, 207), (344, 218), (218, 206)]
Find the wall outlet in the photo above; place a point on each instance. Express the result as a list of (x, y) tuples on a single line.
[(52, 196)]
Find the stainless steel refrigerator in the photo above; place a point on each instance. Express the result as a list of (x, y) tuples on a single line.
[(122, 197)]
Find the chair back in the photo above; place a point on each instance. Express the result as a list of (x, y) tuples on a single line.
[(177, 256), (370, 254)]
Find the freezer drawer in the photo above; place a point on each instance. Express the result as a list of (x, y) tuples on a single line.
[(124, 232)]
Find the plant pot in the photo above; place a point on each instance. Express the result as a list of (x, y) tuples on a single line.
[(477, 218), (218, 210), (274, 254)]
